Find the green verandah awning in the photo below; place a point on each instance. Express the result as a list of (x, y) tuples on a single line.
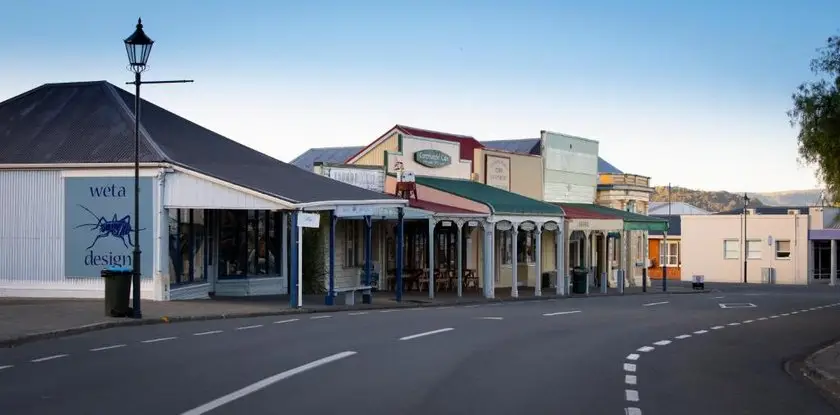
[(632, 221), (500, 201)]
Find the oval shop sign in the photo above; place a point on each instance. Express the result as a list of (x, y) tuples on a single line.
[(432, 158)]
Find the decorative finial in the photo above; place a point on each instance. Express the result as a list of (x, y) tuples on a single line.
[(139, 23)]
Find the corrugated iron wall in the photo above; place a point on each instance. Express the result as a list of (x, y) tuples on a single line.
[(31, 226)]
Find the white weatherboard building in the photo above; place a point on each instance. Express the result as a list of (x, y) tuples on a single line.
[(215, 216)]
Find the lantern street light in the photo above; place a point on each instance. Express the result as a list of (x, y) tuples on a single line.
[(138, 46)]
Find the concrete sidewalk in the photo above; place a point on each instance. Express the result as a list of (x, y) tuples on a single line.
[(823, 369), (23, 319)]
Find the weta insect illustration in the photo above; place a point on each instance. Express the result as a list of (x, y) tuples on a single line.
[(118, 228)]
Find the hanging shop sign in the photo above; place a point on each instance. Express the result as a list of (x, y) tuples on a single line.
[(309, 220), (432, 158)]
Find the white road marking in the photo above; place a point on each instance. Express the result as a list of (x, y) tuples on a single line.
[(443, 308), (473, 306), (285, 321), (794, 312), (645, 349), (255, 326), (650, 304), (734, 324), (393, 310), (762, 318), (717, 327), (662, 343), (748, 321), (491, 318), (359, 313), (254, 387), (682, 336), (629, 367), (774, 316), (632, 411), (161, 339), (701, 331), (631, 395), (630, 379), (99, 349), (633, 356), (44, 359), (718, 298), (206, 333), (785, 314), (428, 333), (6, 367), (560, 313), (319, 317)]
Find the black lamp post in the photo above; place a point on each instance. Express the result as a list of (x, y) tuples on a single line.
[(746, 243), (137, 46)]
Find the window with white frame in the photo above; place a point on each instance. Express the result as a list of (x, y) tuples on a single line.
[(669, 253), (782, 249), (731, 249), (754, 249), (351, 255)]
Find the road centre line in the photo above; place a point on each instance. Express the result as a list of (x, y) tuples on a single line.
[(652, 304), (560, 313), (427, 333)]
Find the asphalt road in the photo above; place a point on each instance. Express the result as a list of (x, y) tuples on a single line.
[(652, 354)]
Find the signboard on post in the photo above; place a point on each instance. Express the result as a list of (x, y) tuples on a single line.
[(309, 220)]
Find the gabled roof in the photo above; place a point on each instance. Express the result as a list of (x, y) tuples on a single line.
[(324, 155), (532, 146), (467, 143), (93, 122), (500, 201), (676, 208)]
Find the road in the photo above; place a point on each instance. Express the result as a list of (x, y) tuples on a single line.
[(651, 354)]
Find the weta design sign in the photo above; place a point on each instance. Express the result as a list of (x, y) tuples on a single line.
[(99, 224)]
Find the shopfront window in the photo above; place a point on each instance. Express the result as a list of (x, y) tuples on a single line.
[(526, 249), (446, 247), (248, 243), (187, 246)]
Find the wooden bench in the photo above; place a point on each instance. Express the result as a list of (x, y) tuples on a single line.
[(349, 293)]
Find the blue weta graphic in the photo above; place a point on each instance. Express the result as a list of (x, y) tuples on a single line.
[(118, 228)]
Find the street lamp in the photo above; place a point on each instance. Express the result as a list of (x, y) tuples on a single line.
[(137, 46), (746, 243)]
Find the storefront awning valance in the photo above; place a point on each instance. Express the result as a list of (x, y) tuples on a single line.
[(632, 221), (500, 201)]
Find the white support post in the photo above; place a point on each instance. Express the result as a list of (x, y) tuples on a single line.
[(460, 268), (284, 248), (431, 258), (489, 276), (587, 258), (538, 259), (300, 267), (604, 259), (514, 261), (833, 280)]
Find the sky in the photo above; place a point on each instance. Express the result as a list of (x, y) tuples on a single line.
[(690, 92)]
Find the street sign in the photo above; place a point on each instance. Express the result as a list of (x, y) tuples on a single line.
[(309, 220)]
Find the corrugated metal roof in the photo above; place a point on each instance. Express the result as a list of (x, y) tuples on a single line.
[(324, 155), (440, 208), (92, 122), (532, 146), (502, 202), (614, 213)]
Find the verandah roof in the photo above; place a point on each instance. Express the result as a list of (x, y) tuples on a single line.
[(632, 221), (500, 201)]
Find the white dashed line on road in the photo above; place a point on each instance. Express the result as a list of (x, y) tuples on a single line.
[(701, 331), (630, 379), (774, 316), (99, 349), (632, 411), (161, 339), (762, 318), (645, 349), (633, 356), (560, 313), (472, 306), (748, 321), (718, 298), (207, 333), (631, 395), (682, 336), (652, 304), (717, 327), (255, 326), (629, 367), (491, 318), (443, 308), (53, 357), (662, 343), (285, 321), (319, 317), (393, 310), (6, 367), (358, 313), (254, 387), (734, 324), (427, 333)]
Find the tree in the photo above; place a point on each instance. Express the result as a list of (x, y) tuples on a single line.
[(816, 111)]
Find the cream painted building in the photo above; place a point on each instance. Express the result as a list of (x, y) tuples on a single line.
[(795, 245)]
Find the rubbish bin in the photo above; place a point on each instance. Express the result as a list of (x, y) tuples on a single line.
[(579, 280), (117, 287)]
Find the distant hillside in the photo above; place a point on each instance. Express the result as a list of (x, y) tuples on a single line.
[(712, 201), (791, 197)]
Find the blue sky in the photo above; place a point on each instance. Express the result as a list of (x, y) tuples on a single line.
[(692, 92)]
